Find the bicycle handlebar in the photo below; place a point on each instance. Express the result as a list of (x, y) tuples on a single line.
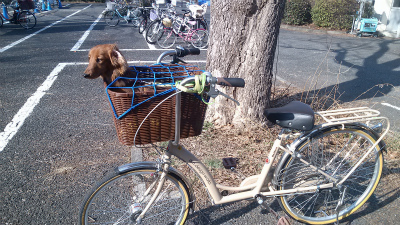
[(179, 52), (204, 83), (230, 82)]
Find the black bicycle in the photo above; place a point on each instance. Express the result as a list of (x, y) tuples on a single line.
[(145, 19)]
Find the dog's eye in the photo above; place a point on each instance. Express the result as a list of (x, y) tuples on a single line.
[(98, 60)]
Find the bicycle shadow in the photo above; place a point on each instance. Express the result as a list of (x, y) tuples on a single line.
[(382, 197), (376, 76), (236, 213)]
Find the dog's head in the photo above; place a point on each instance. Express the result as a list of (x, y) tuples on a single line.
[(105, 61)]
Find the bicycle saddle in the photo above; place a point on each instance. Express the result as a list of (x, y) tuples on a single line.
[(295, 115)]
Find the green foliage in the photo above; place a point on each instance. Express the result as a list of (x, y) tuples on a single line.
[(334, 14), (297, 12), (368, 10)]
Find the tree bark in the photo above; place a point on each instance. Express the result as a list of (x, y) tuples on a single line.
[(243, 40)]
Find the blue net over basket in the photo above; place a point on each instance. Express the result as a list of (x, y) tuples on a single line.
[(156, 80)]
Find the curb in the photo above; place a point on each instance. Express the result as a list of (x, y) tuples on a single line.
[(295, 28), (382, 34)]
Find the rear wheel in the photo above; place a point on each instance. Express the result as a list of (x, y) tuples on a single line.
[(111, 18), (121, 198), (27, 19), (199, 38), (335, 151)]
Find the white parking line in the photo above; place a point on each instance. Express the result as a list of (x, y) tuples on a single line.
[(45, 28), (86, 34), (18, 120), (12, 128), (151, 46), (391, 106)]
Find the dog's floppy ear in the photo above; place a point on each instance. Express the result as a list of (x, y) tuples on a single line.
[(117, 59)]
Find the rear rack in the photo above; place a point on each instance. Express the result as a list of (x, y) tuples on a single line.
[(340, 116), (356, 115)]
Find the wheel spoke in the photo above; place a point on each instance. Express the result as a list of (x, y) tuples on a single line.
[(335, 152)]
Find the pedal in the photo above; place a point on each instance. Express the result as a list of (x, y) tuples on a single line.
[(230, 162)]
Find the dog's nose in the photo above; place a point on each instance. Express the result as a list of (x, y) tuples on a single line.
[(85, 75)]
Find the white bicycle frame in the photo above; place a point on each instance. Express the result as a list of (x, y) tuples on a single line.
[(253, 190)]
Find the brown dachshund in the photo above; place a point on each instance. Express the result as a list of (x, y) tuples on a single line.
[(107, 62)]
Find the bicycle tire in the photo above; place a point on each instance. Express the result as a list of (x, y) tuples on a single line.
[(1, 21), (135, 22), (113, 199), (142, 25), (27, 19), (167, 38), (152, 31), (333, 150), (111, 18), (199, 38)]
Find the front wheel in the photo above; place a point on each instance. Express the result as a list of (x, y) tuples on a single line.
[(153, 31), (27, 20), (142, 25), (167, 38), (121, 198), (111, 18), (334, 150), (135, 22)]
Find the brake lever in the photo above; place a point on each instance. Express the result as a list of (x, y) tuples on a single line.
[(229, 97), (213, 92), (176, 60)]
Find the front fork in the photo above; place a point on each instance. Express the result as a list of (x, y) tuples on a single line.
[(163, 166)]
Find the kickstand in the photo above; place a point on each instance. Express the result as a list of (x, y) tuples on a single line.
[(340, 203), (281, 220)]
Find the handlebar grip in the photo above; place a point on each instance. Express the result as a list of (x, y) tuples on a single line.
[(182, 52), (231, 82)]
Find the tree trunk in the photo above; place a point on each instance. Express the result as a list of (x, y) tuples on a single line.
[(244, 36)]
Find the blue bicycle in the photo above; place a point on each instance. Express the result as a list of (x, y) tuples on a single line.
[(112, 17)]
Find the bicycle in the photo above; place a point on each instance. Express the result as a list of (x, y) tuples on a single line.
[(145, 20), (179, 27), (156, 16), (113, 15), (25, 18), (327, 171)]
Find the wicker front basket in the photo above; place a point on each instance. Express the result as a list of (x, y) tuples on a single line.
[(160, 125)]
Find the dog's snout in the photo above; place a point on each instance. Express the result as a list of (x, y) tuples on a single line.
[(85, 75)]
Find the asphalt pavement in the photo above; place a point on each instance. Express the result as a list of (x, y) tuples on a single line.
[(57, 136)]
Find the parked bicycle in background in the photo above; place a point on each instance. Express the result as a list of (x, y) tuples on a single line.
[(183, 28), (21, 14), (117, 11), (194, 19)]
